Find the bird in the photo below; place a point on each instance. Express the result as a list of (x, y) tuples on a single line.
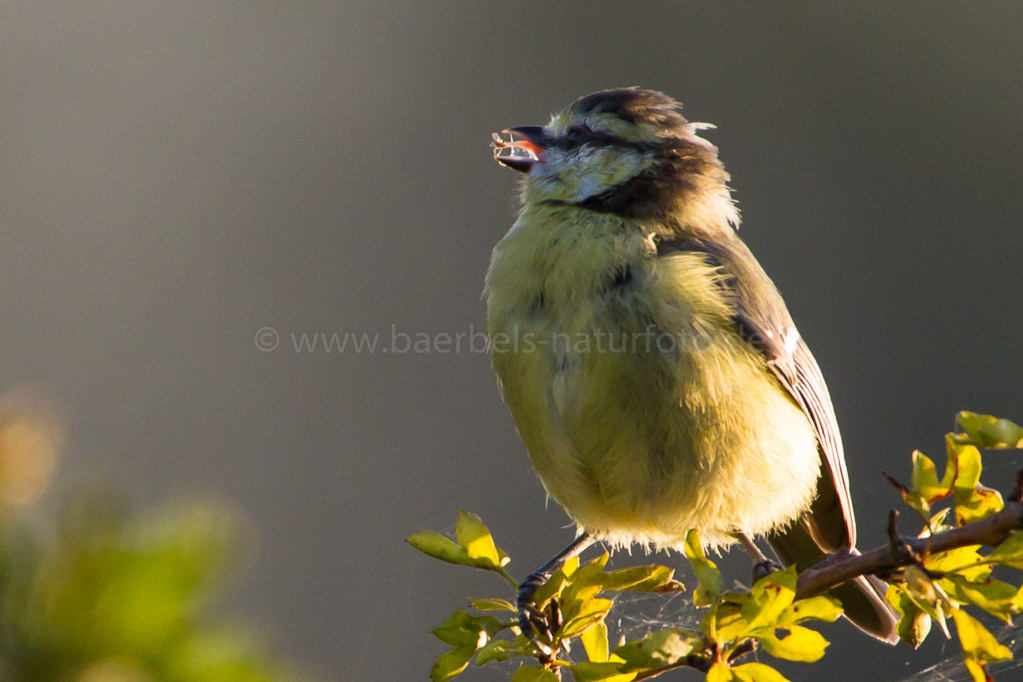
[(652, 369)]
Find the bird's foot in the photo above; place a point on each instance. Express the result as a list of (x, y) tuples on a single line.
[(764, 568), (539, 626)]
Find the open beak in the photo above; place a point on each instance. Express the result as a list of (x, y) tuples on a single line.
[(523, 148)]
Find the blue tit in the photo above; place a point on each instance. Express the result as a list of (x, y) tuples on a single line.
[(651, 366)]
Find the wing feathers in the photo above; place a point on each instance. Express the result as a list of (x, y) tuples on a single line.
[(763, 321)]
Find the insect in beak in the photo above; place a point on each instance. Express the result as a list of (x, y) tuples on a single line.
[(523, 148)]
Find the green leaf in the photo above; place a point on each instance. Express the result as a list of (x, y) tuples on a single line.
[(582, 615), (968, 464), (1010, 552), (979, 645), (972, 500), (492, 604), (554, 585), (451, 663), (795, 643), (977, 670), (595, 642), (719, 672), (914, 625), (769, 599), (924, 483), (642, 579), (963, 561), (462, 629), (986, 431), (475, 539), (590, 671), (727, 613), (707, 573), (659, 649), (593, 572), (574, 594), (503, 649), (977, 504), (458, 630), (994, 596), (936, 524), (528, 673), (927, 596), (822, 607), (440, 547), (757, 672), (749, 672)]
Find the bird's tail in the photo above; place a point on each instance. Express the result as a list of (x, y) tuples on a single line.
[(862, 599)]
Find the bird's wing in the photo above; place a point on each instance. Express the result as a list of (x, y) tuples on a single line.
[(764, 323)]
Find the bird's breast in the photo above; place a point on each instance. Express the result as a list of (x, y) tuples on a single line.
[(588, 345), (628, 388)]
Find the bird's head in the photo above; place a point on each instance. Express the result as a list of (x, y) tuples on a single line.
[(627, 151)]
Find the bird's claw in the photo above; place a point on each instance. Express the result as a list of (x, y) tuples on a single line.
[(536, 625), (764, 568)]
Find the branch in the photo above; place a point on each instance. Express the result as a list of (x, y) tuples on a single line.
[(902, 552)]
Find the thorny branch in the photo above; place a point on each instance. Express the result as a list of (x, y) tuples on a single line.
[(902, 552)]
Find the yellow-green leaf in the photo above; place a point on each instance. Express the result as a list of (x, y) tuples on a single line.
[(977, 504), (936, 524), (573, 592), (440, 547), (963, 561), (451, 663), (769, 599), (730, 623), (592, 573), (491, 604), (968, 466), (925, 479), (502, 650), (475, 539), (595, 642), (589, 613), (458, 630), (1010, 552), (749, 672), (659, 649), (707, 573), (462, 629), (641, 579), (554, 585), (977, 670), (986, 431), (914, 625), (757, 672), (719, 672), (528, 673), (927, 596), (994, 596), (590, 671), (822, 607), (977, 642), (794, 643)]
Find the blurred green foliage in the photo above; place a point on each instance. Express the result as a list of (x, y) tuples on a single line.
[(103, 594)]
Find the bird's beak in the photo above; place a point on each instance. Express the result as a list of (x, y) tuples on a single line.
[(523, 148)]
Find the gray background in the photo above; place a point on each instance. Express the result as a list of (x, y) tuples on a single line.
[(177, 175)]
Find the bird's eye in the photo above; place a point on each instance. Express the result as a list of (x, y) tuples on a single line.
[(578, 135)]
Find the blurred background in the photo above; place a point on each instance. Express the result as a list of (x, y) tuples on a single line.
[(190, 187)]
